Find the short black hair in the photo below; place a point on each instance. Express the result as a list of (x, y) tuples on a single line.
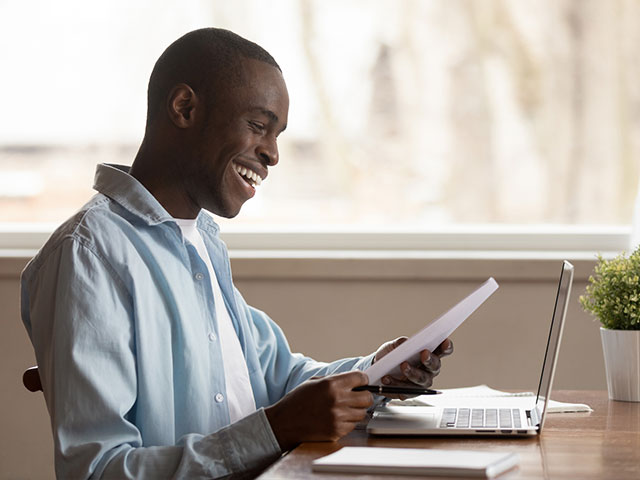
[(201, 59)]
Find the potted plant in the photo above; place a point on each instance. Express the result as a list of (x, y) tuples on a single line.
[(613, 295)]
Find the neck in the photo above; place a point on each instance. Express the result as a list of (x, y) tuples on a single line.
[(157, 169)]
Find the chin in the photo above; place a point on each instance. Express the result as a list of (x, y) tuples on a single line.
[(225, 211), (231, 214)]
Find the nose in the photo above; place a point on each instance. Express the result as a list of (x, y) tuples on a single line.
[(268, 151)]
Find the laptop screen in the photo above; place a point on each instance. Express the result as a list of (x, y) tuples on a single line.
[(555, 334)]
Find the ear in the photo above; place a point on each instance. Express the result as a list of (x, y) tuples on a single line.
[(182, 103)]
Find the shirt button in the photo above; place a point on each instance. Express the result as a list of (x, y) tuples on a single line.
[(212, 337), (219, 397), (199, 276)]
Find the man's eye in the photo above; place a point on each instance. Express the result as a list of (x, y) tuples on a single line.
[(257, 126)]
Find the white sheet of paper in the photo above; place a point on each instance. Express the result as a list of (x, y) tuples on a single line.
[(482, 396), (430, 336)]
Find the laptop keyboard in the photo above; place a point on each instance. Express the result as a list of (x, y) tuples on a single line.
[(480, 418)]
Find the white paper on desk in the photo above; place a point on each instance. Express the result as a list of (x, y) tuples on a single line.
[(482, 396), (430, 336)]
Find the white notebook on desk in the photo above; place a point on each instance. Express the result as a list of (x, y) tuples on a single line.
[(417, 461)]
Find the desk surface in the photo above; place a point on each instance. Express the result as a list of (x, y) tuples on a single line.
[(602, 444)]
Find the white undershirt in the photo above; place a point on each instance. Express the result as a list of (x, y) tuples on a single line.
[(240, 399)]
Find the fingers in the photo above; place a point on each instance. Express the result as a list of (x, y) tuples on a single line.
[(341, 429), (341, 386), (420, 380), (355, 415), (430, 364), (320, 409), (424, 373), (389, 380), (445, 348), (358, 399), (430, 361), (350, 380), (348, 407), (428, 368), (419, 376), (399, 341), (388, 347)]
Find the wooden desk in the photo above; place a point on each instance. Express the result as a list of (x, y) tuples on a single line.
[(604, 444)]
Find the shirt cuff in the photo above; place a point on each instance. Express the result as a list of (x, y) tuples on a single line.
[(269, 436), (252, 443), (364, 362)]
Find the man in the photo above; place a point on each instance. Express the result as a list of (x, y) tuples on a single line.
[(151, 362)]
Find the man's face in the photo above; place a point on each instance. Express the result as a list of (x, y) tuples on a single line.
[(238, 141)]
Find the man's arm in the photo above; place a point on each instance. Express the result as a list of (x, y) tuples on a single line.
[(313, 409), (79, 316), (281, 370)]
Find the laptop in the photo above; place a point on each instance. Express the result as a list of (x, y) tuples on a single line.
[(501, 419)]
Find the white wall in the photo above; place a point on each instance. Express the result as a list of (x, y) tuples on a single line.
[(333, 307)]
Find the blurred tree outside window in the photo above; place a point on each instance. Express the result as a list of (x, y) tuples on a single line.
[(406, 113)]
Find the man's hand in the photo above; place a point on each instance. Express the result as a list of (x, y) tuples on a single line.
[(421, 374), (320, 409)]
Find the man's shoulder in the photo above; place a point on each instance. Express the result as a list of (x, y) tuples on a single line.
[(100, 222)]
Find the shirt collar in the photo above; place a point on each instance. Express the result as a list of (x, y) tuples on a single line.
[(115, 182)]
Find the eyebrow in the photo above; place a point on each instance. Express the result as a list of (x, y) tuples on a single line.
[(272, 116)]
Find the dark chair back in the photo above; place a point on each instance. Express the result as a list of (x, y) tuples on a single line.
[(31, 380)]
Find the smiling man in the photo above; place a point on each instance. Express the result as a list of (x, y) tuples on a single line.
[(152, 364)]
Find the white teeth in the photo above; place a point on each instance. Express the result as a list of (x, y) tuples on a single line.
[(248, 173)]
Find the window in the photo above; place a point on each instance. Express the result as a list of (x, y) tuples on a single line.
[(404, 115)]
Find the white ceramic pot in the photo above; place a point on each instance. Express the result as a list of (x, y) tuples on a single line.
[(622, 362)]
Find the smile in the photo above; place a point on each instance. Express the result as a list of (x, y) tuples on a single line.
[(248, 175)]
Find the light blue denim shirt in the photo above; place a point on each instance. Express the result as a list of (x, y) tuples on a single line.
[(119, 308)]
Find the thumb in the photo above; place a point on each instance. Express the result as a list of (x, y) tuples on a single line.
[(388, 347)]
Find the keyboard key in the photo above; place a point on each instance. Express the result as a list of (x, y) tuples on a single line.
[(448, 418), (505, 418), (464, 415), (516, 418), (491, 418), (477, 418)]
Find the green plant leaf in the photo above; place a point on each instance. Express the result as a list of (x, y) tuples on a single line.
[(613, 292)]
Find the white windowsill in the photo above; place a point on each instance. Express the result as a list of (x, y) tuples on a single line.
[(469, 252), (463, 239)]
